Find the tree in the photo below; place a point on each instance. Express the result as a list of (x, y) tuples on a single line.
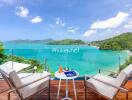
[(1, 52)]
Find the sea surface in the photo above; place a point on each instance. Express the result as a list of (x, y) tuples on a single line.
[(84, 59)]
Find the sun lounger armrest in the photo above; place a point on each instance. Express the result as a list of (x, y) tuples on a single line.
[(29, 70), (4, 91), (100, 70), (28, 83), (12, 90), (114, 86), (87, 76), (129, 90)]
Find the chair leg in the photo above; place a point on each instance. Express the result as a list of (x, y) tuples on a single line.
[(85, 89), (85, 92), (127, 96), (8, 96), (49, 89)]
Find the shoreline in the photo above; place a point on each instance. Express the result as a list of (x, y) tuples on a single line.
[(129, 52), (94, 46)]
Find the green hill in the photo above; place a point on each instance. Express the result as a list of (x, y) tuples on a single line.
[(67, 42), (31, 41), (1, 47), (120, 42), (1, 52)]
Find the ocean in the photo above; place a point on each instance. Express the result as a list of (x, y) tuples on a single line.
[(84, 59)]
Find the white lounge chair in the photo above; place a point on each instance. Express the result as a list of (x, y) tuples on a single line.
[(15, 65), (10, 66), (107, 86), (25, 87)]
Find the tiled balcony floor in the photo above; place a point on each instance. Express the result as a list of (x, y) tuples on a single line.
[(79, 87)]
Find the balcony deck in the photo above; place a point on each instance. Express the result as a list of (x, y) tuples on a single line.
[(79, 87)]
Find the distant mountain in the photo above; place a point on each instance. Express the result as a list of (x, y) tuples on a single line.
[(120, 42), (67, 42), (31, 41)]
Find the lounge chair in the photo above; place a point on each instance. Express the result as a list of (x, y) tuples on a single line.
[(15, 65), (10, 66), (25, 87), (107, 86)]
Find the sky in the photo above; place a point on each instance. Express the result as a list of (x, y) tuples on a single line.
[(88, 20)]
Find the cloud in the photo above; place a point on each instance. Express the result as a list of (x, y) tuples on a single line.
[(59, 22), (36, 19), (10, 2), (72, 29), (113, 22), (128, 5), (128, 25), (89, 33), (22, 12)]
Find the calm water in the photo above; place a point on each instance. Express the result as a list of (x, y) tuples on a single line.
[(84, 59)]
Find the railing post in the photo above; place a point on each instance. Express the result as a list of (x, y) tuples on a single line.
[(99, 71), (44, 64), (119, 64), (12, 57)]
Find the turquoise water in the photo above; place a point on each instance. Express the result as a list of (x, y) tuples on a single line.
[(84, 59)]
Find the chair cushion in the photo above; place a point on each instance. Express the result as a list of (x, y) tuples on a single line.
[(15, 79), (6, 70), (35, 87), (24, 75), (15, 65), (102, 88), (124, 74)]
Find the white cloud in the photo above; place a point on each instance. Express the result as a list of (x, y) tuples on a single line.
[(130, 22), (59, 22), (128, 25), (113, 22), (72, 29), (37, 19), (89, 33), (10, 2), (128, 5), (22, 12)]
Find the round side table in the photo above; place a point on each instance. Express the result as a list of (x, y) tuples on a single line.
[(62, 76)]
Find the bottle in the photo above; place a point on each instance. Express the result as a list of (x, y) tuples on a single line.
[(60, 69)]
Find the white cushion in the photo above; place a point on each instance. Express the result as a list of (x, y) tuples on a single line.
[(15, 65), (107, 90), (24, 75), (105, 78), (15, 79), (6, 70), (35, 87), (102, 88), (10, 66), (124, 74)]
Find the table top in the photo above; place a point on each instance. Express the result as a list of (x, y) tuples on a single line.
[(63, 76)]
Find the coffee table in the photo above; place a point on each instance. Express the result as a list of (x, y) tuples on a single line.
[(62, 76)]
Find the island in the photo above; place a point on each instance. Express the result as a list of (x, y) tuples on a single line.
[(31, 41), (67, 42), (120, 42)]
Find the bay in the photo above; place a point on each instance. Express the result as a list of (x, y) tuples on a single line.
[(84, 59)]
